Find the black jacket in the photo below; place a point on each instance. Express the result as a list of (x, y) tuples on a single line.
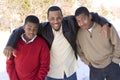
[(69, 27)]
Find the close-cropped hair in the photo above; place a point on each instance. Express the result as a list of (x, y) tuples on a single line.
[(32, 18), (54, 8), (82, 10)]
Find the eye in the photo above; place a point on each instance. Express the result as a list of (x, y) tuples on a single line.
[(59, 18), (28, 29), (51, 18)]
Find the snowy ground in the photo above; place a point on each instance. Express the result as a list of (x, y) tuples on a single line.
[(4, 36)]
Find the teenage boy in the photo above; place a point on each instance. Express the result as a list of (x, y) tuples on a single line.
[(32, 54)]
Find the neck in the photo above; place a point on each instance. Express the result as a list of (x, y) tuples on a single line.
[(27, 39), (91, 24)]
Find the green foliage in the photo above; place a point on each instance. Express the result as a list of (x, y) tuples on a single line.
[(25, 5), (103, 10), (17, 10), (86, 3)]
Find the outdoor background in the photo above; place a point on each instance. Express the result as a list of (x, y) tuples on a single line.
[(13, 13)]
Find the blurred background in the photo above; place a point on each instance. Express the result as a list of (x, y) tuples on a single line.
[(13, 12)]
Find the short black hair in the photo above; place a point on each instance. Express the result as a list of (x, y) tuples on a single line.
[(82, 10), (54, 8), (32, 18)]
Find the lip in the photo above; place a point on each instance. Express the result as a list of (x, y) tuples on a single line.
[(56, 25), (31, 35)]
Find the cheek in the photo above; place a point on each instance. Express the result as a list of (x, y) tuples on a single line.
[(51, 22), (60, 21), (26, 31), (86, 22), (35, 32)]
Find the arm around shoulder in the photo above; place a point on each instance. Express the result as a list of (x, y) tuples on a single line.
[(99, 19), (14, 37), (12, 41)]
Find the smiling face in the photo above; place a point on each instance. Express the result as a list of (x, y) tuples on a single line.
[(55, 19), (31, 30), (84, 21)]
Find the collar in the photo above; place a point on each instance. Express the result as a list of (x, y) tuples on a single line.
[(92, 27), (60, 31), (27, 42)]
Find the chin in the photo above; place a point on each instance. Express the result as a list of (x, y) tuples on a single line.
[(57, 29), (83, 28)]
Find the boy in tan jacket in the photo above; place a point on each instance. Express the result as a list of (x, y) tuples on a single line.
[(100, 53)]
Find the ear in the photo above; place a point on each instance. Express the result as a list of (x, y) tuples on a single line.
[(90, 16)]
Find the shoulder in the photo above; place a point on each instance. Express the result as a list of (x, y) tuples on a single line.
[(43, 24), (40, 41), (69, 17)]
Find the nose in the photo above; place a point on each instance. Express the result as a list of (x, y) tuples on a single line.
[(33, 30), (56, 20)]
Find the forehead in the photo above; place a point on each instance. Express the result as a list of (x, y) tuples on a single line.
[(54, 13), (81, 16), (31, 25)]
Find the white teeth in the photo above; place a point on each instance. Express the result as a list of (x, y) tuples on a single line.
[(56, 25)]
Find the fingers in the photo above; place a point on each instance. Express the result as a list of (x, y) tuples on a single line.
[(105, 31), (14, 54), (8, 51), (108, 32)]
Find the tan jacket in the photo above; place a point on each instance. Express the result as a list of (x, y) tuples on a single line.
[(96, 49)]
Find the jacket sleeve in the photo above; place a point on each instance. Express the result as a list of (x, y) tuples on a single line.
[(72, 22), (44, 62), (14, 37), (115, 40), (99, 19), (81, 54), (10, 67)]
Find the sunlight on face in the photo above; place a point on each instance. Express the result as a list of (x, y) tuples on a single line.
[(83, 21), (30, 30), (55, 19)]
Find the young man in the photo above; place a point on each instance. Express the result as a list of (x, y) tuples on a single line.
[(60, 34), (32, 54), (101, 54)]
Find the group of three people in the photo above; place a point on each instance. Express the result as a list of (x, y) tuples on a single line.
[(66, 37)]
